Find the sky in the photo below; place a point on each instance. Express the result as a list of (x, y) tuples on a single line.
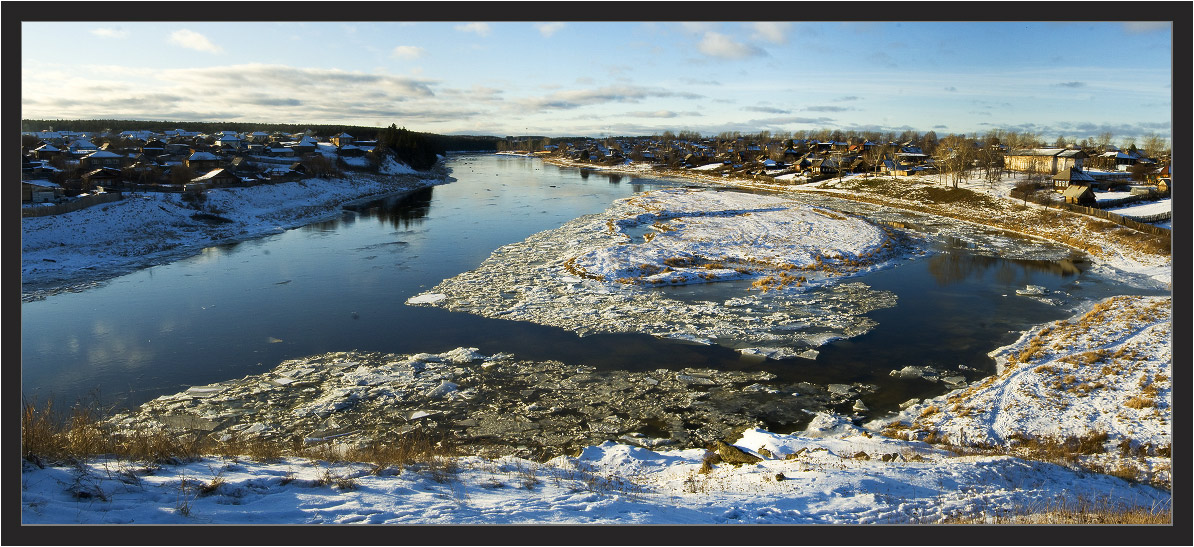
[(1076, 79)]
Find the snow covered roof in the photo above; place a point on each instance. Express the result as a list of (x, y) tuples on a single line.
[(48, 148), (203, 156), (210, 175), (1036, 152), (102, 154), (1073, 175)]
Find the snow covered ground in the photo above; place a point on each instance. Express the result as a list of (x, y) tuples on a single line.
[(1103, 376), (154, 228), (1120, 250), (835, 473), (1144, 208)]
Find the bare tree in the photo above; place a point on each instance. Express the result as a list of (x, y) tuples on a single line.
[(1103, 140), (1155, 146)]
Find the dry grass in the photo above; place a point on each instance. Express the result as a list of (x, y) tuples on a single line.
[(48, 437), (1077, 511), (1139, 402)]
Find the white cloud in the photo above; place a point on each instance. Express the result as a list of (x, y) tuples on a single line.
[(110, 32), (547, 29), (609, 94), (772, 31), (719, 45), (481, 29), (407, 52), (1147, 26), (193, 40)]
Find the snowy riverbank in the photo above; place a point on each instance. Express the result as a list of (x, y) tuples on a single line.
[(78, 249), (1110, 246), (831, 473)]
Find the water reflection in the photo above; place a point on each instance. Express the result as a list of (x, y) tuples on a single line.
[(401, 211), (951, 267)]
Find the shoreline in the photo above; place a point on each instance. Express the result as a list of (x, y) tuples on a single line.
[(1108, 252), (198, 235)]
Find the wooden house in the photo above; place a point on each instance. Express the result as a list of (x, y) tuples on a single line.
[(153, 148), (202, 161), (1080, 194), (101, 158), (81, 147), (1064, 179), (40, 191), (47, 151), (1037, 160), (103, 177), (1070, 158), (217, 178)]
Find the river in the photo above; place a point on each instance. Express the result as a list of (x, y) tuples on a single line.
[(242, 308)]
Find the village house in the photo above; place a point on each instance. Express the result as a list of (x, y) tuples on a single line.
[(1043, 160), (277, 150), (81, 147), (1080, 194), (102, 158), (1072, 176), (202, 161), (101, 179), (47, 152), (217, 178), (231, 142), (40, 191), (153, 148)]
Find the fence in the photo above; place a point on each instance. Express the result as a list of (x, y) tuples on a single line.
[(74, 205), (1135, 223)]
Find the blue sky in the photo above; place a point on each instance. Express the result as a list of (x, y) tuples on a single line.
[(611, 78)]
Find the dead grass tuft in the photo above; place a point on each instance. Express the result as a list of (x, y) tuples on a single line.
[(1140, 402)]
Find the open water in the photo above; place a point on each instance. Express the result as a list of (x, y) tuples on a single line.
[(341, 285)]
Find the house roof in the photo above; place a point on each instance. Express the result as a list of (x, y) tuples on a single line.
[(103, 172), (211, 174), (102, 154), (1076, 190), (1073, 175), (1036, 152), (203, 156)]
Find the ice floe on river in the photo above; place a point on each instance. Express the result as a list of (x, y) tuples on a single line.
[(486, 404), (781, 261)]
